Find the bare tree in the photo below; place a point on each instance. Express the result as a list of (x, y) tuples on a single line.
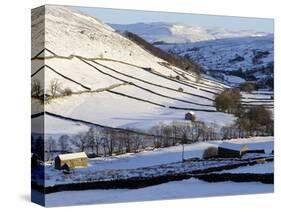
[(198, 129), (64, 143), (137, 141), (167, 134), (50, 148), (110, 140), (80, 141), (124, 141), (156, 132), (36, 88), (94, 139), (55, 86)]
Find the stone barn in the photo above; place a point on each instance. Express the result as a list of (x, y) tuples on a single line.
[(232, 150), (190, 116), (71, 160)]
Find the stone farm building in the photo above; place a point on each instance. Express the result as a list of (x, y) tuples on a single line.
[(231, 150), (71, 160), (190, 116)]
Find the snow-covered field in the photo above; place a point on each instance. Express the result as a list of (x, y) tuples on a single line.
[(257, 169), (145, 163), (128, 165), (173, 154), (172, 190)]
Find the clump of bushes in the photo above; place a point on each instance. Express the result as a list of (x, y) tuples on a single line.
[(228, 101), (180, 89), (247, 87), (67, 92), (256, 120), (210, 152)]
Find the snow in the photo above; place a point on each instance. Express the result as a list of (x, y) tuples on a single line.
[(55, 127), (267, 167), (172, 190), (150, 158), (233, 79), (220, 54), (149, 163), (56, 177), (73, 156), (232, 146), (152, 78), (71, 34), (80, 72), (126, 113), (68, 33), (257, 143), (258, 95), (172, 154)]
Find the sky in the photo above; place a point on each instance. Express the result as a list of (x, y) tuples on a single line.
[(119, 16)]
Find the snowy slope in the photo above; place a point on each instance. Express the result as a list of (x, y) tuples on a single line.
[(114, 81), (181, 33), (69, 32)]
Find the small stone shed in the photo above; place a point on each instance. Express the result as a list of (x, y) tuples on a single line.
[(71, 160), (190, 116), (232, 150)]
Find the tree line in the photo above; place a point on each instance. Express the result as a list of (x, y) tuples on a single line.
[(102, 142)]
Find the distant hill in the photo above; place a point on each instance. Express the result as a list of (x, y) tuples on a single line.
[(233, 56), (250, 58), (181, 33)]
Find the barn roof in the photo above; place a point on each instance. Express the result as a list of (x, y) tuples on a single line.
[(232, 146), (72, 156)]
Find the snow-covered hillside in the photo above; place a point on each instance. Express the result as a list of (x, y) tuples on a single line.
[(219, 51), (114, 81), (181, 33), (247, 53), (249, 58)]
